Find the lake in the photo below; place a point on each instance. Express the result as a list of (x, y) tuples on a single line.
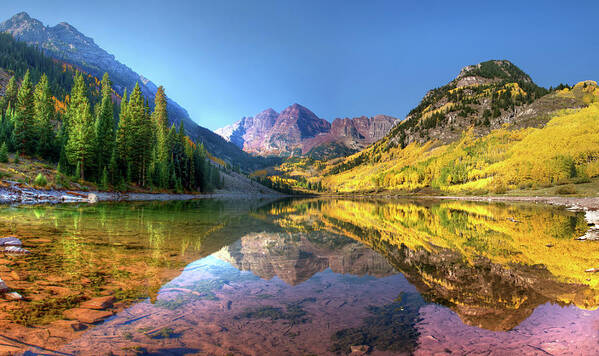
[(300, 277)]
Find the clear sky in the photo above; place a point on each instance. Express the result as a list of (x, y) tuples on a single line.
[(222, 60)]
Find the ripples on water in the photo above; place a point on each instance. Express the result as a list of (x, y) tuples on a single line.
[(302, 277)]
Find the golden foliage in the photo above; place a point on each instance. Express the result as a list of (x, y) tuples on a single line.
[(566, 150)]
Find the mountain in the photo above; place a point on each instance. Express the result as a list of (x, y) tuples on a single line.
[(489, 130), (298, 131), (348, 136), (65, 43)]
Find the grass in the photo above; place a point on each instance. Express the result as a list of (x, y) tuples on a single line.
[(590, 189)]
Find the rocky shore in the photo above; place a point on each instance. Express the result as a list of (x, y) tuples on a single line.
[(19, 194)]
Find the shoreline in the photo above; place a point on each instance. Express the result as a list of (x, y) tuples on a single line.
[(32, 196), (16, 194)]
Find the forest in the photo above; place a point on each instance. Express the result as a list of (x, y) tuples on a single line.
[(56, 113)]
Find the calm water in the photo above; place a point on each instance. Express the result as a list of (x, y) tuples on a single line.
[(302, 277)]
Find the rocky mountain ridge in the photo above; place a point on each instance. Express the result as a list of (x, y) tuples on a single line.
[(298, 131)]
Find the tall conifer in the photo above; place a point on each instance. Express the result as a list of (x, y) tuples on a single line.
[(24, 119)]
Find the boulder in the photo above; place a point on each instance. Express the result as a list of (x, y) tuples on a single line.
[(92, 198), (10, 241), (15, 250)]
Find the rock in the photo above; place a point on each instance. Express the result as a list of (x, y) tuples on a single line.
[(98, 303), (358, 350), (15, 250), (78, 326), (92, 198), (87, 316), (10, 241), (3, 287), (13, 296)]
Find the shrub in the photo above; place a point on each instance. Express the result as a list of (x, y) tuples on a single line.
[(40, 180), (566, 190)]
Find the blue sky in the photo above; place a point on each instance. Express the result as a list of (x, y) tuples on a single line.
[(222, 60)]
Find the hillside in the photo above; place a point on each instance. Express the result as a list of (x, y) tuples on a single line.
[(297, 131), (65, 43), (490, 130), (545, 147)]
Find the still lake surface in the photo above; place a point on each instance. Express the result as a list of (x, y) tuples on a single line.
[(301, 277)]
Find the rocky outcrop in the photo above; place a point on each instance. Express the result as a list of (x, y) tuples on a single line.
[(354, 134)]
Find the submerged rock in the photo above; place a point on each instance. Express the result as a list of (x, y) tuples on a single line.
[(3, 287), (10, 241), (16, 250), (99, 303), (87, 316)]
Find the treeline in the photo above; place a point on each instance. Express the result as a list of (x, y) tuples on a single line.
[(18, 58), (113, 146)]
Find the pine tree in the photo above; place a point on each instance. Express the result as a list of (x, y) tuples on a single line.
[(4, 153), (122, 137), (104, 181), (140, 136), (160, 120), (105, 125), (10, 94), (113, 168), (24, 118), (44, 116), (80, 144)]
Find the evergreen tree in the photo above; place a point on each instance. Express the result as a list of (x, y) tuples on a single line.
[(122, 137), (105, 125), (80, 144), (24, 119), (4, 153), (113, 168), (140, 136), (104, 181), (44, 116), (10, 94), (160, 120)]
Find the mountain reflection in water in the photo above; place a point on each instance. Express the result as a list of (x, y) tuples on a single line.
[(328, 276)]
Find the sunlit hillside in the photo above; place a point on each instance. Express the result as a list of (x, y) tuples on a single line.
[(565, 150)]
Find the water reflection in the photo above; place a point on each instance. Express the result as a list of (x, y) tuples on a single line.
[(311, 277)]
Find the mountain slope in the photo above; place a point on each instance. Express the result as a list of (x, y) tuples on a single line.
[(554, 141), (489, 130), (65, 43), (298, 131)]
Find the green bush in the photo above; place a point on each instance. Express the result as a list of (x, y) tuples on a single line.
[(40, 180), (566, 190)]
